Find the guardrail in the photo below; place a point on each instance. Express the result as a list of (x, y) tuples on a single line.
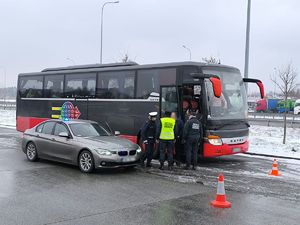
[(274, 118), (7, 104)]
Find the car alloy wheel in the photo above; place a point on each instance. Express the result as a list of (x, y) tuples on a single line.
[(31, 152), (86, 162)]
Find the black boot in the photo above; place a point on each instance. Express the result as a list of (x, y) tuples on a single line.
[(187, 167), (161, 166)]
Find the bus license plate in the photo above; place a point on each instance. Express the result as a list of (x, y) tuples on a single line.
[(235, 150)]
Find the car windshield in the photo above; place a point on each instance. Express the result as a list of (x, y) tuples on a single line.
[(88, 130), (297, 104), (233, 103)]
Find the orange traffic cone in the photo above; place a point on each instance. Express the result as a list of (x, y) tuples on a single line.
[(220, 201), (274, 171)]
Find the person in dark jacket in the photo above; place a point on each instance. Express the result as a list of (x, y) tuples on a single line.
[(148, 133), (178, 131), (192, 134)]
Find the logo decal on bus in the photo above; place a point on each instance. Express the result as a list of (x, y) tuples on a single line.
[(67, 111)]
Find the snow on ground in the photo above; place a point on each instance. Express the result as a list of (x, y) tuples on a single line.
[(268, 141), (7, 118), (263, 140)]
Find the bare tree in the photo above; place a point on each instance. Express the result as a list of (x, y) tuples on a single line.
[(211, 60), (125, 58), (286, 84)]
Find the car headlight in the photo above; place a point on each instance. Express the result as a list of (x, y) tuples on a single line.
[(103, 152), (214, 140), (139, 150)]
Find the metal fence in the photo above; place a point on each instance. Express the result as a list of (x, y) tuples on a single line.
[(274, 119), (7, 104)]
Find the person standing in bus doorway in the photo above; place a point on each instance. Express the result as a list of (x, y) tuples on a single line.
[(178, 130), (192, 134), (166, 137), (148, 137)]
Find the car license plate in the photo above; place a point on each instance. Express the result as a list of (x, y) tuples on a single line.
[(127, 159), (235, 150)]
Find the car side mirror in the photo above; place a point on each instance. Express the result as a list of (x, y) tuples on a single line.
[(64, 134), (117, 133)]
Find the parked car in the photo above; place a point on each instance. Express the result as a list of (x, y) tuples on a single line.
[(78, 142), (297, 107)]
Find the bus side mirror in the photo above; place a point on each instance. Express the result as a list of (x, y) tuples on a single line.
[(217, 86), (259, 84)]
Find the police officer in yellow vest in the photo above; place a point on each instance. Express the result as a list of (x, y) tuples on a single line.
[(165, 136)]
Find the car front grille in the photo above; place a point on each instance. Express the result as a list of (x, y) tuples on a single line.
[(132, 152), (122, 153)]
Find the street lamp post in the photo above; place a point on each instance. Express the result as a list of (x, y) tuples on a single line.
[(101, 47), (247, 43), (189, 50)]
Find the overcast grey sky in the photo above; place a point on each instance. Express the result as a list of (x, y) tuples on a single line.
[(42, 33)]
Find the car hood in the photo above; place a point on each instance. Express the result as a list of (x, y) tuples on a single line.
[(107, 142)]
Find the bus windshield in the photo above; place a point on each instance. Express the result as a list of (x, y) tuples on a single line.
[(233, 103)]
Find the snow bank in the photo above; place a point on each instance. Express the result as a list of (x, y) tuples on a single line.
[(7, 118), (268, 141)]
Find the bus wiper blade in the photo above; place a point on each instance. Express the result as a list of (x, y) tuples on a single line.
[(232, 123)]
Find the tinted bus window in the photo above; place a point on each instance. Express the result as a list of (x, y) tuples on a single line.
[(80, 85), (149, 81), (116, 85), (31, 87), (54, 86)]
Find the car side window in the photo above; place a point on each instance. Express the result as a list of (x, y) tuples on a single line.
[(39, 128), (48, 127), (60, 128)]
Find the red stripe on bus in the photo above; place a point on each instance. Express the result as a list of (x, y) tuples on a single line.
[(24, 123)]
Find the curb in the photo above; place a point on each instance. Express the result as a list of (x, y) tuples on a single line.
[(271, 156)]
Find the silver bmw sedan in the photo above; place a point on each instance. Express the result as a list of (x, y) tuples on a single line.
[(79, 142)]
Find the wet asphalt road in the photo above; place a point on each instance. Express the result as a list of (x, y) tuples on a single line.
[(53, 193)]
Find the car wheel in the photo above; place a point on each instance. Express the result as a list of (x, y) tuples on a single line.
[(86, 161), (31, 152)]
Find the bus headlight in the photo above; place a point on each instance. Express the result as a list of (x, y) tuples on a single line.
[(103, 152), (214, 140)]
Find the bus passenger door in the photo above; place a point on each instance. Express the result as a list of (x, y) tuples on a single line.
[(191, 99), (168, 100)]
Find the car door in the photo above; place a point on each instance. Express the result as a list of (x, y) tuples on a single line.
[(63, 148), (44, 139)]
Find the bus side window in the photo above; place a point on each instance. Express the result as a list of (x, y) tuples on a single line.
[(31, 87), (80, 85), (53, 86), (116, 85), (150, 80)]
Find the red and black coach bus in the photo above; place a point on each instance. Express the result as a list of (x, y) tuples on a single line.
[(120, 96)]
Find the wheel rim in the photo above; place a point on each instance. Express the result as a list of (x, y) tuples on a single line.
[(31, 151), (86, 161)]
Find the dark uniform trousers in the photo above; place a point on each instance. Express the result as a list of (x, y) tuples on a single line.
[(191, 150), (149, 150), (166, 147)]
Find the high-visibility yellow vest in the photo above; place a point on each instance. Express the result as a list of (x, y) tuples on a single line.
[(167, 129)]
